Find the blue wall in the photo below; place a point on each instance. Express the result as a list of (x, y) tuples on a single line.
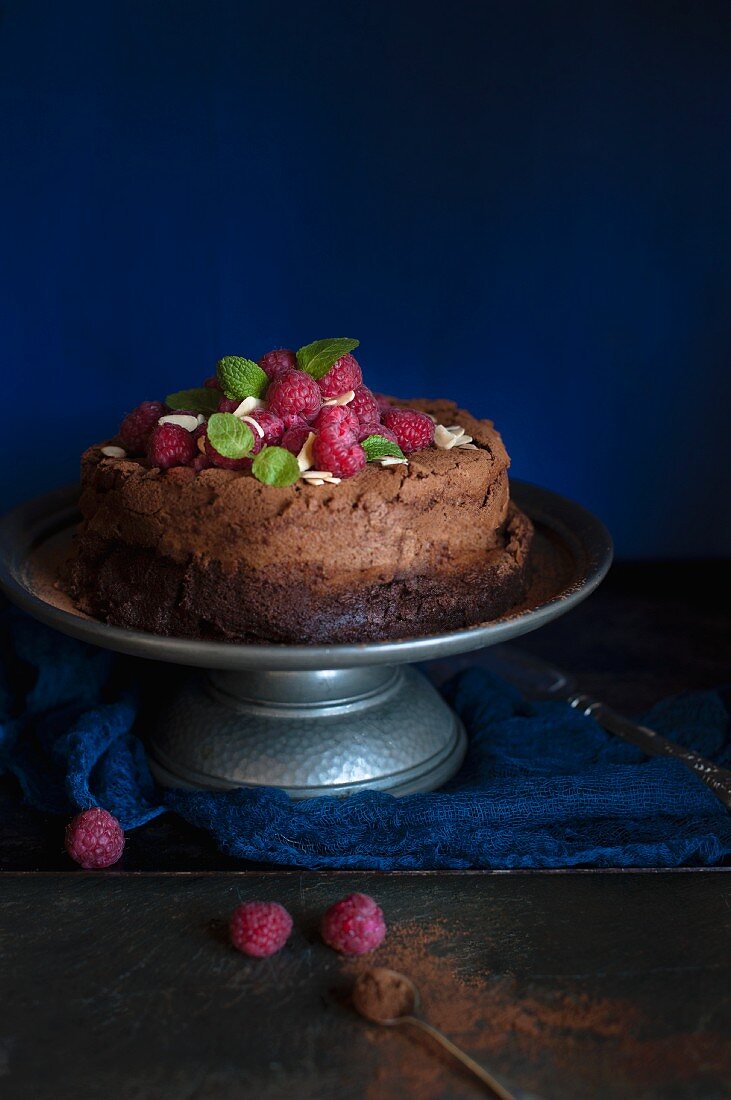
[(523, 205)]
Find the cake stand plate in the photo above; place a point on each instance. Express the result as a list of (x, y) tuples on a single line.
[(312, 719)]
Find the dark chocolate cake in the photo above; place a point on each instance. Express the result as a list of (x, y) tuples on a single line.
[(418, 539)]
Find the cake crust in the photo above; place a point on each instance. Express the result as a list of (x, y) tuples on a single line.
[(394, 552)]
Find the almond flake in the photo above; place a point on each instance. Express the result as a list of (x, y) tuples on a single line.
[(315, 480), (304, 458), (468, 447), (247, 406), (392, 460), (183, 420), (114, 452), (201, 441), (343, 399), (255, 425), (443, 438), (201, 419), (455, 429)]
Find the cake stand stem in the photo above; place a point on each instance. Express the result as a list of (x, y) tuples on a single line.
[(316, 732)]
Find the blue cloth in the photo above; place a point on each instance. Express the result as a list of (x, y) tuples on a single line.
[(542, 786)]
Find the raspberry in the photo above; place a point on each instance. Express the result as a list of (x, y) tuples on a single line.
[(343, 376), (201, 462), (337, 422), (135, 429), (295, 439), (365, 406), (170, 445), (293, 420), (341, 458), (212, 383), (277, 362), (384, 402), (228, 404), (376, 429), (260, 928), (94, 839), (353, 925), (413, 430), (294, 392), (272, 424)]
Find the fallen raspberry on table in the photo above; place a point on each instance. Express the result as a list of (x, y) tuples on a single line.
[(272, 425), (337, 422), (354, 925), (413, 430), (260, 928), (170, 445), (137, 426), (94, 839), (278, 361), (342, 459), (343, 375), (294, 392), (365, 406)]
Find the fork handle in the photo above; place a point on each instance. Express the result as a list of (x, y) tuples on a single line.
[(715, 777)]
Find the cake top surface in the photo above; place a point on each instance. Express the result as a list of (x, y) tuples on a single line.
[(301, 419)]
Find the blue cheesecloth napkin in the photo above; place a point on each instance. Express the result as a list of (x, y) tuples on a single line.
[(542, 786)]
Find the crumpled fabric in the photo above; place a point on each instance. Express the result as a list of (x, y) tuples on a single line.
[(541, 787)]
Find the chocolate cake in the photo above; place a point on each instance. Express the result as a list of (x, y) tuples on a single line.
[(421, 537)]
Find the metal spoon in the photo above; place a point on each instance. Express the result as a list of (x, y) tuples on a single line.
[(387, 997)]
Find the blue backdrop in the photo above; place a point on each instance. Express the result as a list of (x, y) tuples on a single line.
[(523, 205)]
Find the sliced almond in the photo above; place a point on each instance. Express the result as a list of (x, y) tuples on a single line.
[(315, 480), (393, 460), (343, 399), (247, 406), (254, 424), (468, 447), (201, 419), (443, 438), (183, 420), (114, 452), (304, 458), (201, 442)]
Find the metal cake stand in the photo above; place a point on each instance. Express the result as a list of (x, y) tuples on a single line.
[(312, 719)]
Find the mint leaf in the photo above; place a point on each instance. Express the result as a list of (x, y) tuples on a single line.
[(203, 400), (317, 358), (230, 436), (240, 378), (377, 446), (275, 466)]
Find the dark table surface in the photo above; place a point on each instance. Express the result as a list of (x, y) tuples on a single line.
[(568, 984)]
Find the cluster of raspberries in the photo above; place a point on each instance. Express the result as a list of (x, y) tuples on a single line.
[(294, 406)]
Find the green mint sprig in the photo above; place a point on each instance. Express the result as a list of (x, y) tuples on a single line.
[(240, 378), (203, 400), (318, 357), (275, 466), (230, 436), (377, 446)]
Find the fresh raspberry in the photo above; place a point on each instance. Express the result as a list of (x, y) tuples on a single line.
[(376, 429), (337, 422), (342, 459), (228, 404), (260, 928), (272, 424), (201, 462), (413, 430), (94, 839), (294, 392), (295, 439), (277, 362), (353, 925), (343, 376), (137, 426), (212, 383), (294, 420), (365, 406), (384, 402), (170, 445)]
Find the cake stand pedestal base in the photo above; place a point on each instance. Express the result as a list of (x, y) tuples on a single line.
[(317, 732)]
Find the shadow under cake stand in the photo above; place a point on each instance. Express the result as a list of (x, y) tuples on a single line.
[(311, 719)]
